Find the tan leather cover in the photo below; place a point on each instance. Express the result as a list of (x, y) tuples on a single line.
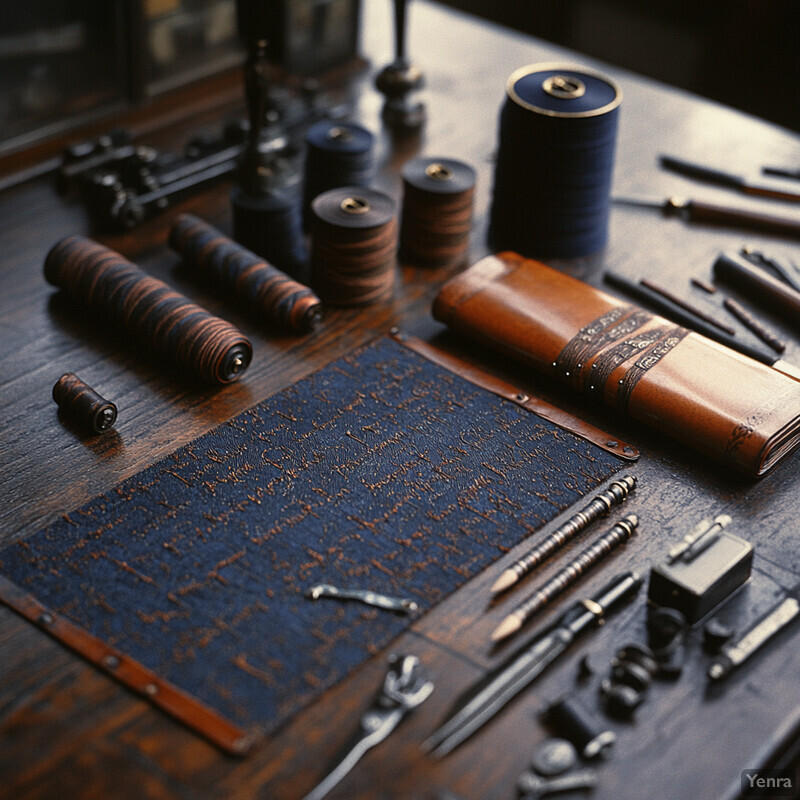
[(707, 396)]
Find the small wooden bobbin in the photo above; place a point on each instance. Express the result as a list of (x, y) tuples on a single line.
[(82, 405)]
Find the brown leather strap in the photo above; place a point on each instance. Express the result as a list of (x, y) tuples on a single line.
[(132, 674)]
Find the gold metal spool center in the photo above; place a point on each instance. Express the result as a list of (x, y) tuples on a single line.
[(355, 205), (439, 172), (564, 88), (339, 134)]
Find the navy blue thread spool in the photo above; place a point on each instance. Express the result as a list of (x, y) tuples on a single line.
[(555, 158), (353, 246), (437, 211), (270, 225), (337, 154), (270, 293)]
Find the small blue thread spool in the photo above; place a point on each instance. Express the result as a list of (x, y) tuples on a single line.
[(270, 225), (337, 154), (552, 180)]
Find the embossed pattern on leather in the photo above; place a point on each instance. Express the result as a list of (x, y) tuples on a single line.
[(382, 470)]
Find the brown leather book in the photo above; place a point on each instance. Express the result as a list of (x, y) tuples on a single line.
[(709, 397)]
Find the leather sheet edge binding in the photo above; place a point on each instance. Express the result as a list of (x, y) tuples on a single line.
[(563, 419), (129, 672), (186, 709)]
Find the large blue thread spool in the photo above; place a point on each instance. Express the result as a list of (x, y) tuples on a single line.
[(555, 159)]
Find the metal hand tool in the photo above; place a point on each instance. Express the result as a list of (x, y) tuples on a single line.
[(367, 596), (763, 188), (785, 270), (562, 580), (403, 690), (486, 700), (712, 214), (533, 786), (735, 653)]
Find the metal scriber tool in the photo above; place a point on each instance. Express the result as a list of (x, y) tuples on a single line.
[(734, 654), (700, 538), (709, 213), (363, 596), (403, 690), (487, 699), (776, 190)]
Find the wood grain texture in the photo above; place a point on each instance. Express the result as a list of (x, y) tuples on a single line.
[(68, 731)]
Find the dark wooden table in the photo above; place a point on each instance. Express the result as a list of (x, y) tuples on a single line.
[(66, 730)]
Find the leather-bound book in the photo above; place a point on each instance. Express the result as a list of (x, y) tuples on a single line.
[(724, 404)]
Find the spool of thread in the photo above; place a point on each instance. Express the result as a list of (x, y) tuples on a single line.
[(353, 246), (157, 318), (82, 405), (555, 158), (271, 226), (437, 211), (271, 294), (337, 154)]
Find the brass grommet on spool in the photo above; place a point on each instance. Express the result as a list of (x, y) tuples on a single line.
[(564, 87), (353, 245), (355, 205), (340, 134), (438, 171)]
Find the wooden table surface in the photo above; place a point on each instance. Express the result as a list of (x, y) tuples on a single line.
[(68, 731)]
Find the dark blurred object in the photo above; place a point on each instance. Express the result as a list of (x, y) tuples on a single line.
[(305, 36), (60, 64), (175, 42), (400, 79), (742, 53), (64, 63)]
